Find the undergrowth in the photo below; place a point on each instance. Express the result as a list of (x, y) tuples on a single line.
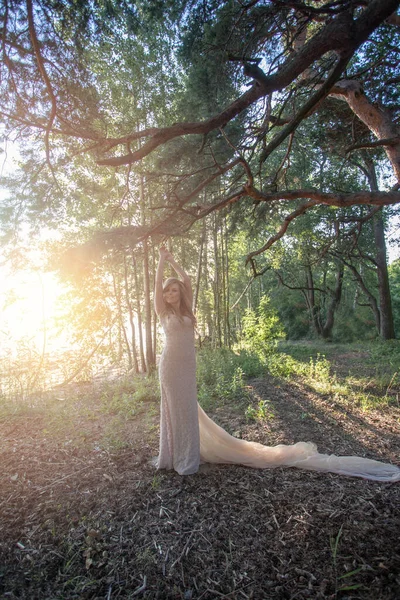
[(367, 376), (221, 376)]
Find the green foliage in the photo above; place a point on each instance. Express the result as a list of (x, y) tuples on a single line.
[(394, 278), (222, 374), (319, 368), (352, 325), (283, 365), (250, 363), (370, 382), (134, 66), (24, 374), (261, 329), (261, 412), (220, 377), (384, 358), (316, 373), (129, 396)]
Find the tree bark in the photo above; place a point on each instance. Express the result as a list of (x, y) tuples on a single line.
[(146, 287), (372, 300), (377, 119), (117, 294), (208, 283), (154, 262), (386, 329), (310, 298), (333, 305), (139, 314), (227, 295), (199, 268), (385, 301), (224, 283), (147, 309), (131, 319), (217, 290)]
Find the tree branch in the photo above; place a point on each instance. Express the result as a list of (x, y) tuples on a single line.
[(377, 120), (299, 211), (248, 285), (45, 77), (384, 142), (317, 198), (341, 34), (329, 198), (301, 288), (307, 108)]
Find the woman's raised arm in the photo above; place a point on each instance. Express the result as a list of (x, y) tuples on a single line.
[(166, 256), (159, 304), (185, 278)]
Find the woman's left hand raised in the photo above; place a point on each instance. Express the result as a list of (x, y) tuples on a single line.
[(166, 254)]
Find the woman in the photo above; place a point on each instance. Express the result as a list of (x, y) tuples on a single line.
[(179, 425), (188, 436)]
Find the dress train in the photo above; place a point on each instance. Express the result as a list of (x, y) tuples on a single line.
[(218, 446)]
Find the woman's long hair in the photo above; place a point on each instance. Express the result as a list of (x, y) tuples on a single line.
[(185, 309)]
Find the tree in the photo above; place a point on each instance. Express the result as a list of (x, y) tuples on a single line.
[(293, 54), (394, 274), (136, 122)]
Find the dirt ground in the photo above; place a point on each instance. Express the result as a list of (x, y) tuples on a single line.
[(79, 521)]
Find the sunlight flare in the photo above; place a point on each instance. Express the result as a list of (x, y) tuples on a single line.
[(29, 301)]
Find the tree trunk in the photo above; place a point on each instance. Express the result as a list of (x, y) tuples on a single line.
[(377, 119), (146, 287), (385, 300), (139, 314), (336, 297), (131, 319), (386, 330), (147, 309), (227, 298), (154, 311), (372, 300), (223, 284), (208, 283), (117, 294), (199, 268), (217, 284), (310, 297)]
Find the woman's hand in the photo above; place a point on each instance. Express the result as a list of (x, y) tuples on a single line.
[(165, 254)]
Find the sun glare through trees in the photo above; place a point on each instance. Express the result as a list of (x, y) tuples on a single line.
[(260, 141)]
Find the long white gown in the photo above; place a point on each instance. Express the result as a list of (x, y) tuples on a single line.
[(188, 436)]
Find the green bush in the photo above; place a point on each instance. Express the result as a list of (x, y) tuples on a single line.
[(283, 365), (127, 396), (250, 363), (262, 330), (351, 325), (262, 412), (221, 375)]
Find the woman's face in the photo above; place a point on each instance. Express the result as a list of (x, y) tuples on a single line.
[(172, 294)]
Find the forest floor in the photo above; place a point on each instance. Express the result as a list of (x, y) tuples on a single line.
[(84, 515)]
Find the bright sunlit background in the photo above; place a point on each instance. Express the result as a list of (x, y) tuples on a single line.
[(28, 298), (28, 302)]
